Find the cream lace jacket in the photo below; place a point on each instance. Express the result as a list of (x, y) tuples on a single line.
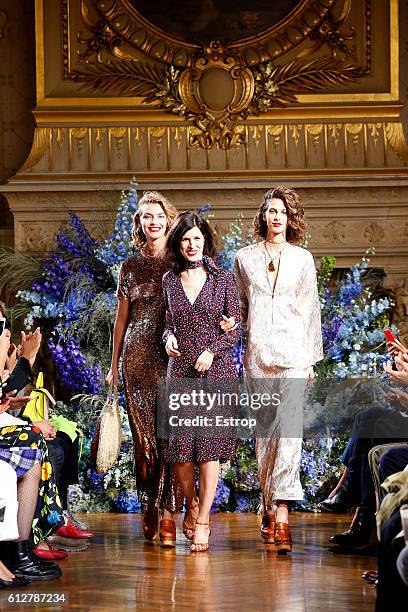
[(283, 329)]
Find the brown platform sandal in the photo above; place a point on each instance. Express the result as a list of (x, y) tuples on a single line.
[(185, 527), (151, 523), (283, 538), (167, 533), (268, 528), (203, 545)]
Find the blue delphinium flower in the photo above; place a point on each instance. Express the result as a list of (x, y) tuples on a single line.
[(222, 495), (73, 369), (127, 501), (243, 503)]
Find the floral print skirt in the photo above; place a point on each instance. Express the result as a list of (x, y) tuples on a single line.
[(22, 446)]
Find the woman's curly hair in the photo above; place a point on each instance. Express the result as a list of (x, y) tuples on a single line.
[(151, 197), (296, 228)]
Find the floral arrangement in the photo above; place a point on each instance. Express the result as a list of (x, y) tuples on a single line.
[(74, 301)]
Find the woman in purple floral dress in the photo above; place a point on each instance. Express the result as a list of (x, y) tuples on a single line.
[(198, 296)]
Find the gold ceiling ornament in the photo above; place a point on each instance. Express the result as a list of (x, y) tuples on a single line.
[(280, 85), (118, 25), (216, 92), (328, 33), (213, 85)]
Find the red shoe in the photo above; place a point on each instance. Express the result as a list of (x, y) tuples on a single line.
[(50, 554), (70, 531)]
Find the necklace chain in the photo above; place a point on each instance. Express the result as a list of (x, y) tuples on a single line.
[(273, 258)]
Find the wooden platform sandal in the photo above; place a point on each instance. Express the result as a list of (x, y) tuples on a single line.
[(167, 532), (283, 538), (268, 528)]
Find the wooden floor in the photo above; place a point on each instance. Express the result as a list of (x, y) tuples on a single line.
[(121, 572)]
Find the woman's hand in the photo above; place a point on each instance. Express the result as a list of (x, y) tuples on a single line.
[(402, 375), (12, 357), (4, 344), (228, 324), (396, 347), (398, 398), (172, 347), (47, 429), (112, 376), (4, 406), (311, 375), (30, 345), (17, 403), (204, 362)]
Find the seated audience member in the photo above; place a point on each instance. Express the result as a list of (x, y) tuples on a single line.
[(63, 454), (374, 458), (391, 587), (24, 449), (372, 427), (8, 522)]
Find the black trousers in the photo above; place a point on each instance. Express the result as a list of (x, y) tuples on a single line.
[(371, 427), (392, 461), (63, 455), (392, 593)]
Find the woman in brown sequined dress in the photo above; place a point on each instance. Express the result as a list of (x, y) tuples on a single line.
[(138, 330)]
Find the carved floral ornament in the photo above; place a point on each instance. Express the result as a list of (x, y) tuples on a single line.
[(215, 83)]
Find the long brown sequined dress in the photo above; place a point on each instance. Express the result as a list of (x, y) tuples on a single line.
[(144, 362)]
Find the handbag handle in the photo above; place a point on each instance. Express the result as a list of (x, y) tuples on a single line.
[(114, 390)]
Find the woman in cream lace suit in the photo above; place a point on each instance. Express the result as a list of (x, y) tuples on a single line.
[(280, 307)]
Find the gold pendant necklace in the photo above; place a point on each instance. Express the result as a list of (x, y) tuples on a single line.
[(271, 265)]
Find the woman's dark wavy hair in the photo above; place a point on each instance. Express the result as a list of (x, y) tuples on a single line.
[(185, 221), (296, 228)]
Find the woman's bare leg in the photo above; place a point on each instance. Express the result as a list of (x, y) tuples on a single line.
[(209, 472), (185, 474)]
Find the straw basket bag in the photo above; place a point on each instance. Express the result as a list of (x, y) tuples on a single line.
[(108, 435)]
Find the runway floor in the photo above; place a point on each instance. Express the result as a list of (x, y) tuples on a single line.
[(121, 572)]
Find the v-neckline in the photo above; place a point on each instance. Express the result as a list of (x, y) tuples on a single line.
[(275, 284), (192, 304)]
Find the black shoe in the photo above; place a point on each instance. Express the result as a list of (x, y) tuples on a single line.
[(360, 532), (24, 563), (18, 581), (337, 504)]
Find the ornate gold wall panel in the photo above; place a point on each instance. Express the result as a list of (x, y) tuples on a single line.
[(292, 149)]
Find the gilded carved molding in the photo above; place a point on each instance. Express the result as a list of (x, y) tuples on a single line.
[(309, 50), (42, 141), (333, 147)]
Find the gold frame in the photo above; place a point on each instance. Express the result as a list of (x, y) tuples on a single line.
[(392, 96)]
